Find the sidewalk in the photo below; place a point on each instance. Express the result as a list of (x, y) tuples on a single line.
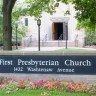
[(56, 49), (41, 48)]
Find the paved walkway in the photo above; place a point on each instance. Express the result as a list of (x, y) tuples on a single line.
[(41, 48), (55, 49), (80, 78)]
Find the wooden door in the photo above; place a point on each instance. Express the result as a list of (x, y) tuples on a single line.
[(53, 31)]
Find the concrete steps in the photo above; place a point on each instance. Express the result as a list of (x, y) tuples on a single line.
[(52, 44)]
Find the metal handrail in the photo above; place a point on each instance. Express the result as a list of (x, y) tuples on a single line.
[(76, 41), (60, 38), (44, 40), (29, 40)]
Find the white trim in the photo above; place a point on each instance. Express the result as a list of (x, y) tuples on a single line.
[(60, 19)]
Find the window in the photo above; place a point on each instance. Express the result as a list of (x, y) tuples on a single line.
[(26, 21)]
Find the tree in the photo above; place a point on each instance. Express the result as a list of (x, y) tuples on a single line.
[(85, 9), (89, 31), (86, 15), (34, 8), (7, 28), (16, 20), (87, 25)]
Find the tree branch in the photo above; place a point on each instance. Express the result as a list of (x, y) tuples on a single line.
[(8, 5), (11, 4)]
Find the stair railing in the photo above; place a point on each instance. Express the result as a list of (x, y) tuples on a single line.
[(29, 40), (60, 38), (44, 40), (76, 41)]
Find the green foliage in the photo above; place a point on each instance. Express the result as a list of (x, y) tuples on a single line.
[(32, 8), (1, 21), (18, 10), (86, 9), (90, 38), (39, 6), (39, 92), (87, 25), (21, 29), (36, 7), (1, 28), (90, 31), (86, 15)]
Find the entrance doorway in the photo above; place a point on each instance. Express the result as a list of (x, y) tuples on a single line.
[(59, 31)]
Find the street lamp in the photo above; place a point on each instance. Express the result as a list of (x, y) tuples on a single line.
[(38, 23), (16, 36)]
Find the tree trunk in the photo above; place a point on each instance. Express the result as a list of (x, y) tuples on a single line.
[(7, 28), (7, 31)]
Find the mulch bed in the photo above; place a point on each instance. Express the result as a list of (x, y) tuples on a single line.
[(13, 47)]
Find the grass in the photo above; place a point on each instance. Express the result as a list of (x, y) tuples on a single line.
[(41, 92), (77, 49)]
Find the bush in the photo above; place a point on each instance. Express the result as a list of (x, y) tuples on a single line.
[(1, 43), (18, 43), (90, 41), (13, 42), (52, 85)]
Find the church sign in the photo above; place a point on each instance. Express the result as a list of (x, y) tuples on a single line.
[(49, 64)]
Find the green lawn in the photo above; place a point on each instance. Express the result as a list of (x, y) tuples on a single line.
[(78, 49), (41, 93)]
